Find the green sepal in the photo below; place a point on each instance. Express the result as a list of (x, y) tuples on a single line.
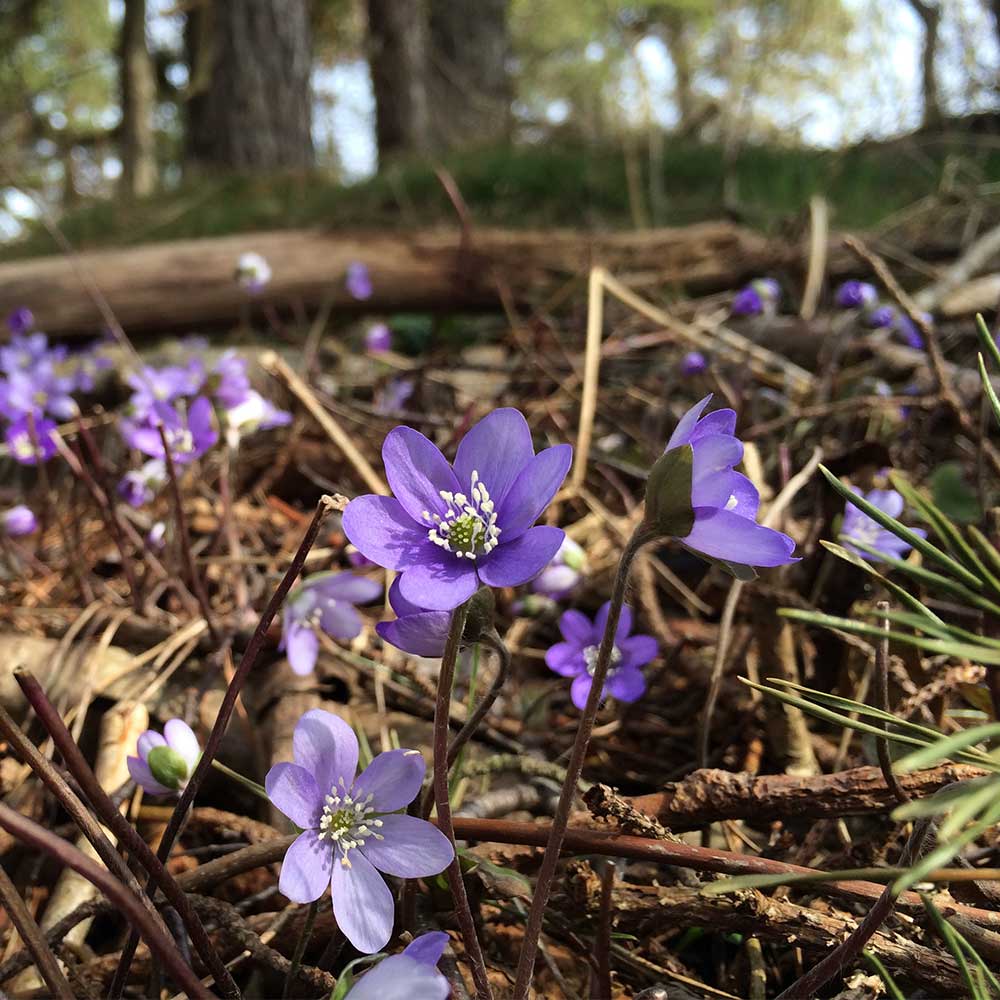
[(669, 512), (168, 767)]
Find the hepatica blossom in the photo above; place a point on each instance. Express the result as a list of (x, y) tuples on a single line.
[(31, 445), (378, 338), (140, 486), (252, 272), (724, 501), (859, 527), (18, 521), (165, 763), (411, 975), (359, 282), (323, 602), (856, 295), (758, 298), (576, 657), (451, 529), (693, 363), (563, 573), (352, 829), (189, 430)]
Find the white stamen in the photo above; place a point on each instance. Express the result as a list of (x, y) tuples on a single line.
[(469, 526)]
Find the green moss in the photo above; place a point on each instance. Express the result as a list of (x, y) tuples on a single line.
[(551, 184)]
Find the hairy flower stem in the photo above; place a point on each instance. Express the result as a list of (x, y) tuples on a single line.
[(882, 702), (456, 883), (467, 731), (247, 662), (546, 874), (300, 949)]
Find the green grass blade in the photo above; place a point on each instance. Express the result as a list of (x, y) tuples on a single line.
[(892, 991), (947, 747)]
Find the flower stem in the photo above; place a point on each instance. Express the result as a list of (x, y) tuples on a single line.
[(546, 874), (249, 658), (300, 948), (456, 883), (467, 731), (241, 779)]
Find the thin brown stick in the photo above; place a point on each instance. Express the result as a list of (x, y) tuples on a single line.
[(36, 836), (600, 980), (33, 938), (882, 702)]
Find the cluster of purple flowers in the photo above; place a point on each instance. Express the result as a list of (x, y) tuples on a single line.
[(192, 403), (37, 383), (863, 297)]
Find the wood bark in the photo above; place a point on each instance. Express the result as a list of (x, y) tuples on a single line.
[(250, 103), (398, 61), (138, 97), (930, 17), (170, 286)]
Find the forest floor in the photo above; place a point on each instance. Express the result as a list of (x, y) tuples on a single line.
[(703, 777)]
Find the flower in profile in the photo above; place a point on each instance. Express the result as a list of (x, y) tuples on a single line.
[(449, 530), (859, 527), (255, 413), (140, 486), (359, 282), (156, 535), (19, 520), (393, 397), (20, 321), (253, 273), (760, 297), (724, 501), (693, 363), (325, 603), (909, 331), (856, 295), (31, 445), (165, 763), (576, 657), (378, 338), (881, 317), (415, 630), (352, 829), (411, 975), (188, 435), (563, 573)]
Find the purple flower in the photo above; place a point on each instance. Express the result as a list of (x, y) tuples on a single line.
[(378, 338), (85, 367), (693, 363), (139, 486), (255, 413), (356, 559), (394, 396), (155, 536), (188, 437), (229, 380), (352, 830), (412, 975), (359, 282), (38, 390), (24, 351), (20, 321), (450, 530), (577, 656), (415, 630), (18, 521), (725, 502), (747, 302), (856, 295), (563, 573), (165, 763), (859, 527), (908, 330), (323, 602), (22, 444), (881, 317), (163, 385), (252, 272)]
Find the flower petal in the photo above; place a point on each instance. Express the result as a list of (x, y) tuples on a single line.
[(294, 791), (325, 746), (723, 534), (380, 529), (716, 422), (141, 774), (410, 848), (637, 651), (686, 425), (580, 690), (427, 948), (306, 870), (346, 587), (362, 903), (400, 977), (626, 684), (728, 489), (443, 583), (577, 627), (422, 634), (624, 623), (888, 501), (498, 448), (393, 779), (714, 453), (565, 659), (340, 620), (301, 648), (147, 740), (180, 736), (400, 604), (417, 472), (533, 490), (518, 561)]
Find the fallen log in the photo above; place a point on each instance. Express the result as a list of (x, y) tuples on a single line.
[(167, 286)]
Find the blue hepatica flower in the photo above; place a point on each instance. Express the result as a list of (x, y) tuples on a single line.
[(415, 630), (859, 527), (450, 529), (31, 445), (411, 975), (758, 298), (725, 502), (693, 363)]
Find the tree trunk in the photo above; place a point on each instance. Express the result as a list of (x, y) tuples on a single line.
[(930, 15), (675, 36), (469, 80), (250, 104), (397, 58), (138, 96)]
